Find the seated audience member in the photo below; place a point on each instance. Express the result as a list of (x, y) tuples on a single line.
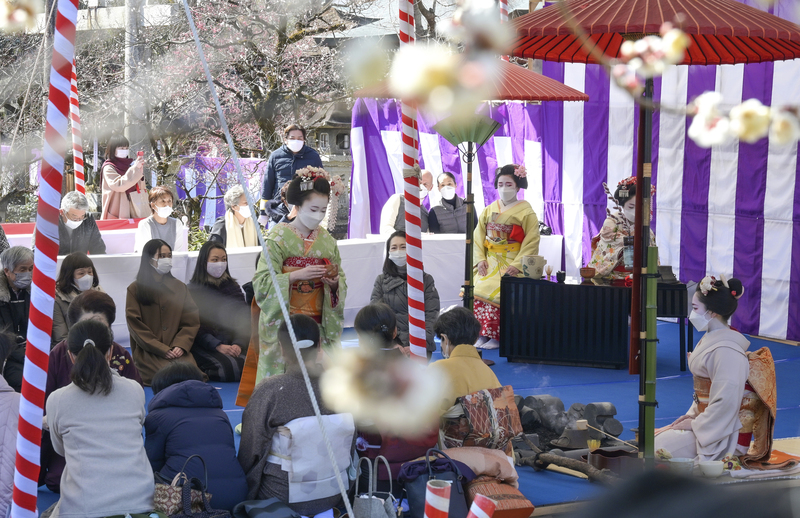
[(449, 216), (279, 211), (162, 317), (123, 178), (236, 228), (77, 229), (393, 213), (221, 343), (89, 305), (183, 405), (9, 417), (462, 368), (77, 274), (96, 424), (376, 327), (159, 225), (391, 287), (15, 301), (279, 424)]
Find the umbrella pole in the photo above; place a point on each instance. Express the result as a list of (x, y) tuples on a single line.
[(469, 157)]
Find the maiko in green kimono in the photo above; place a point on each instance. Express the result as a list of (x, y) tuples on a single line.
[(306, 258)]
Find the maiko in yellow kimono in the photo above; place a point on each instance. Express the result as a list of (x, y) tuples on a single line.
[(503, 236), (289, 252)]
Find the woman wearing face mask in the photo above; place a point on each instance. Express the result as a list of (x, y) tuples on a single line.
[(220, 346), (608, 245), (162, 317), (160, 224), (76, 275), (449, 216), (391, 288), (507, 230), (236, 228), (307, 262), (123, 182), (728, 381)]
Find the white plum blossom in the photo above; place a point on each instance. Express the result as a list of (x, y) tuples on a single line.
[(750, 120), (674, 44), (709, 127), (419, 69), (785, 127)]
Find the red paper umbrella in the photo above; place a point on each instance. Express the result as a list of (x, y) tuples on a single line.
[(723, 32), (514, 83)]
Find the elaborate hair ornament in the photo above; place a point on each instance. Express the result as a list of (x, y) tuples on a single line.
[(708, 284), (520, 171), (308, 175), (724, 280), (625, 185), (304, 344), (384, 328), (88, 341)]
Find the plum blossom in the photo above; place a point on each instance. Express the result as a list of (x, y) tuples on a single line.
[(709, 127), (18, 15), (785, 127), (750, 120)]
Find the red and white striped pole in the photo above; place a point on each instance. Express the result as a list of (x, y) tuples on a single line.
[(437, 496), (482, 507), (503, 18), (40, 325), (416, 287), (77, 141)]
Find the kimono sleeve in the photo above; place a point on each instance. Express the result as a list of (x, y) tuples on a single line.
[(265, 292), (333, 305), (479, 236)]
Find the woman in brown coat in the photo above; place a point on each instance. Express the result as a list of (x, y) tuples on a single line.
[(162, 317), (123, 181)]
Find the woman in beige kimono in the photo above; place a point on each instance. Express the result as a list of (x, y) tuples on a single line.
[(508, 230)]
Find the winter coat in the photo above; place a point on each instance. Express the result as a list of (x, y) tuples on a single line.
[(116, 204), (3, 241), (14, 319), (171, 321), (450, 217), (9, 416), (393, 291), (85, 239), (281, 167), (107, 471), (224, 316), (60, 312), (187, 419)]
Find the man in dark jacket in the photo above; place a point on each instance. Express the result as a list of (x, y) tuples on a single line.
[(15, 301), (283, 163), (77, 230)]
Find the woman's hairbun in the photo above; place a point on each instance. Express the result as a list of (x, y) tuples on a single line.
[(736, 288)]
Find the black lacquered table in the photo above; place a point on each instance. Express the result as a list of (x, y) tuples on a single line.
[(576, 324)]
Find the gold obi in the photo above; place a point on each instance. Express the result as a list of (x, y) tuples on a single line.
[(749, 409)]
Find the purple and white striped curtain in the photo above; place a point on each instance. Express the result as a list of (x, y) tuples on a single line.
[(732, 209)]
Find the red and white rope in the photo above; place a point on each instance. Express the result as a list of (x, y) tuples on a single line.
[(77, 141), (416, 287), (503, 18), (34, 375)]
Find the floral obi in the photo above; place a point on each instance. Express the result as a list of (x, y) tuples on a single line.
[(502, 238), (305, 297), (750, 406)]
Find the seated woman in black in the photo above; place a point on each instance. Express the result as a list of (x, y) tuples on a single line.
[(221, 343)]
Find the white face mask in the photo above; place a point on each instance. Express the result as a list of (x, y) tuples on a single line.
[(164, 212), (164, 265), (423, 192), (72, 225), (85, 282), (121, 153), (507, 193), (310, 220), (398, 257), (245, 211), (295, 145), (700, 322), (216, 270), (448, 193), (630, 214), (22, 280)]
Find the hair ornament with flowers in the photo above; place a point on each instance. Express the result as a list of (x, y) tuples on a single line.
[(520, 171), (708, 284), (309, 174)]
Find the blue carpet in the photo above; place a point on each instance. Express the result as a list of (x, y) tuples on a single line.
[(588, 385)]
